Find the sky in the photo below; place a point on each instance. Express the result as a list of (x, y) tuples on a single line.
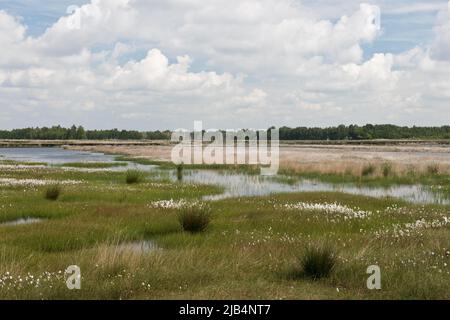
[(162, 64)]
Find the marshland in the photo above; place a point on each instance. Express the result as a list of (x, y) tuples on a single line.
[(140, 227)]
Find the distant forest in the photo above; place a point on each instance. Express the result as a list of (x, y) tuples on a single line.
[(367, 132), (342, 132), (79, 133)]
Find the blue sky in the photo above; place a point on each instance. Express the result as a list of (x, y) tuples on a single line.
[(38, 15), (403, 31)]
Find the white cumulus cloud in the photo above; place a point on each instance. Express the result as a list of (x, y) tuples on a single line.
[(163, 64)]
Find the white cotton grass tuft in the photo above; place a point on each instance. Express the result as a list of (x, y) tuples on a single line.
[(329, 208), (412, 228), (176, 204), (21, 221), (12, 182), (9, 281)]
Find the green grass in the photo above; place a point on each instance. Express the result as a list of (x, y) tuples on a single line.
[(24, 163), (248, 250), (167, 165), (94, 165), (144, 161), (386, 180)]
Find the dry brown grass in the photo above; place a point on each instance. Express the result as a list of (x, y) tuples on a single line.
[(109, 256), (401, 160), (356, 167), (160, 153), (340, 159)]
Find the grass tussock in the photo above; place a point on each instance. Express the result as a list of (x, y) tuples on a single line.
[(368, 170), (53, 192), (433, 169), (180, 172), (318, 261), (194, 219), (386, 169), (133, 176)]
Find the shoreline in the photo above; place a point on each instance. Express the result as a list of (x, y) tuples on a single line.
[(6, 143)]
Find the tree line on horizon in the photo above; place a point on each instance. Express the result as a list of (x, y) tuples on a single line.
[(342, 132), (79, 133)]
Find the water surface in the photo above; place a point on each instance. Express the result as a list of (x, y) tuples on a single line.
[(238, 185), (235, 184), (59, 156), (53, 155)]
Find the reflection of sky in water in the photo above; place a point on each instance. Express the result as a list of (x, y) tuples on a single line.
[(235, 184), (58, 156), (246, 185), (53, 155)]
